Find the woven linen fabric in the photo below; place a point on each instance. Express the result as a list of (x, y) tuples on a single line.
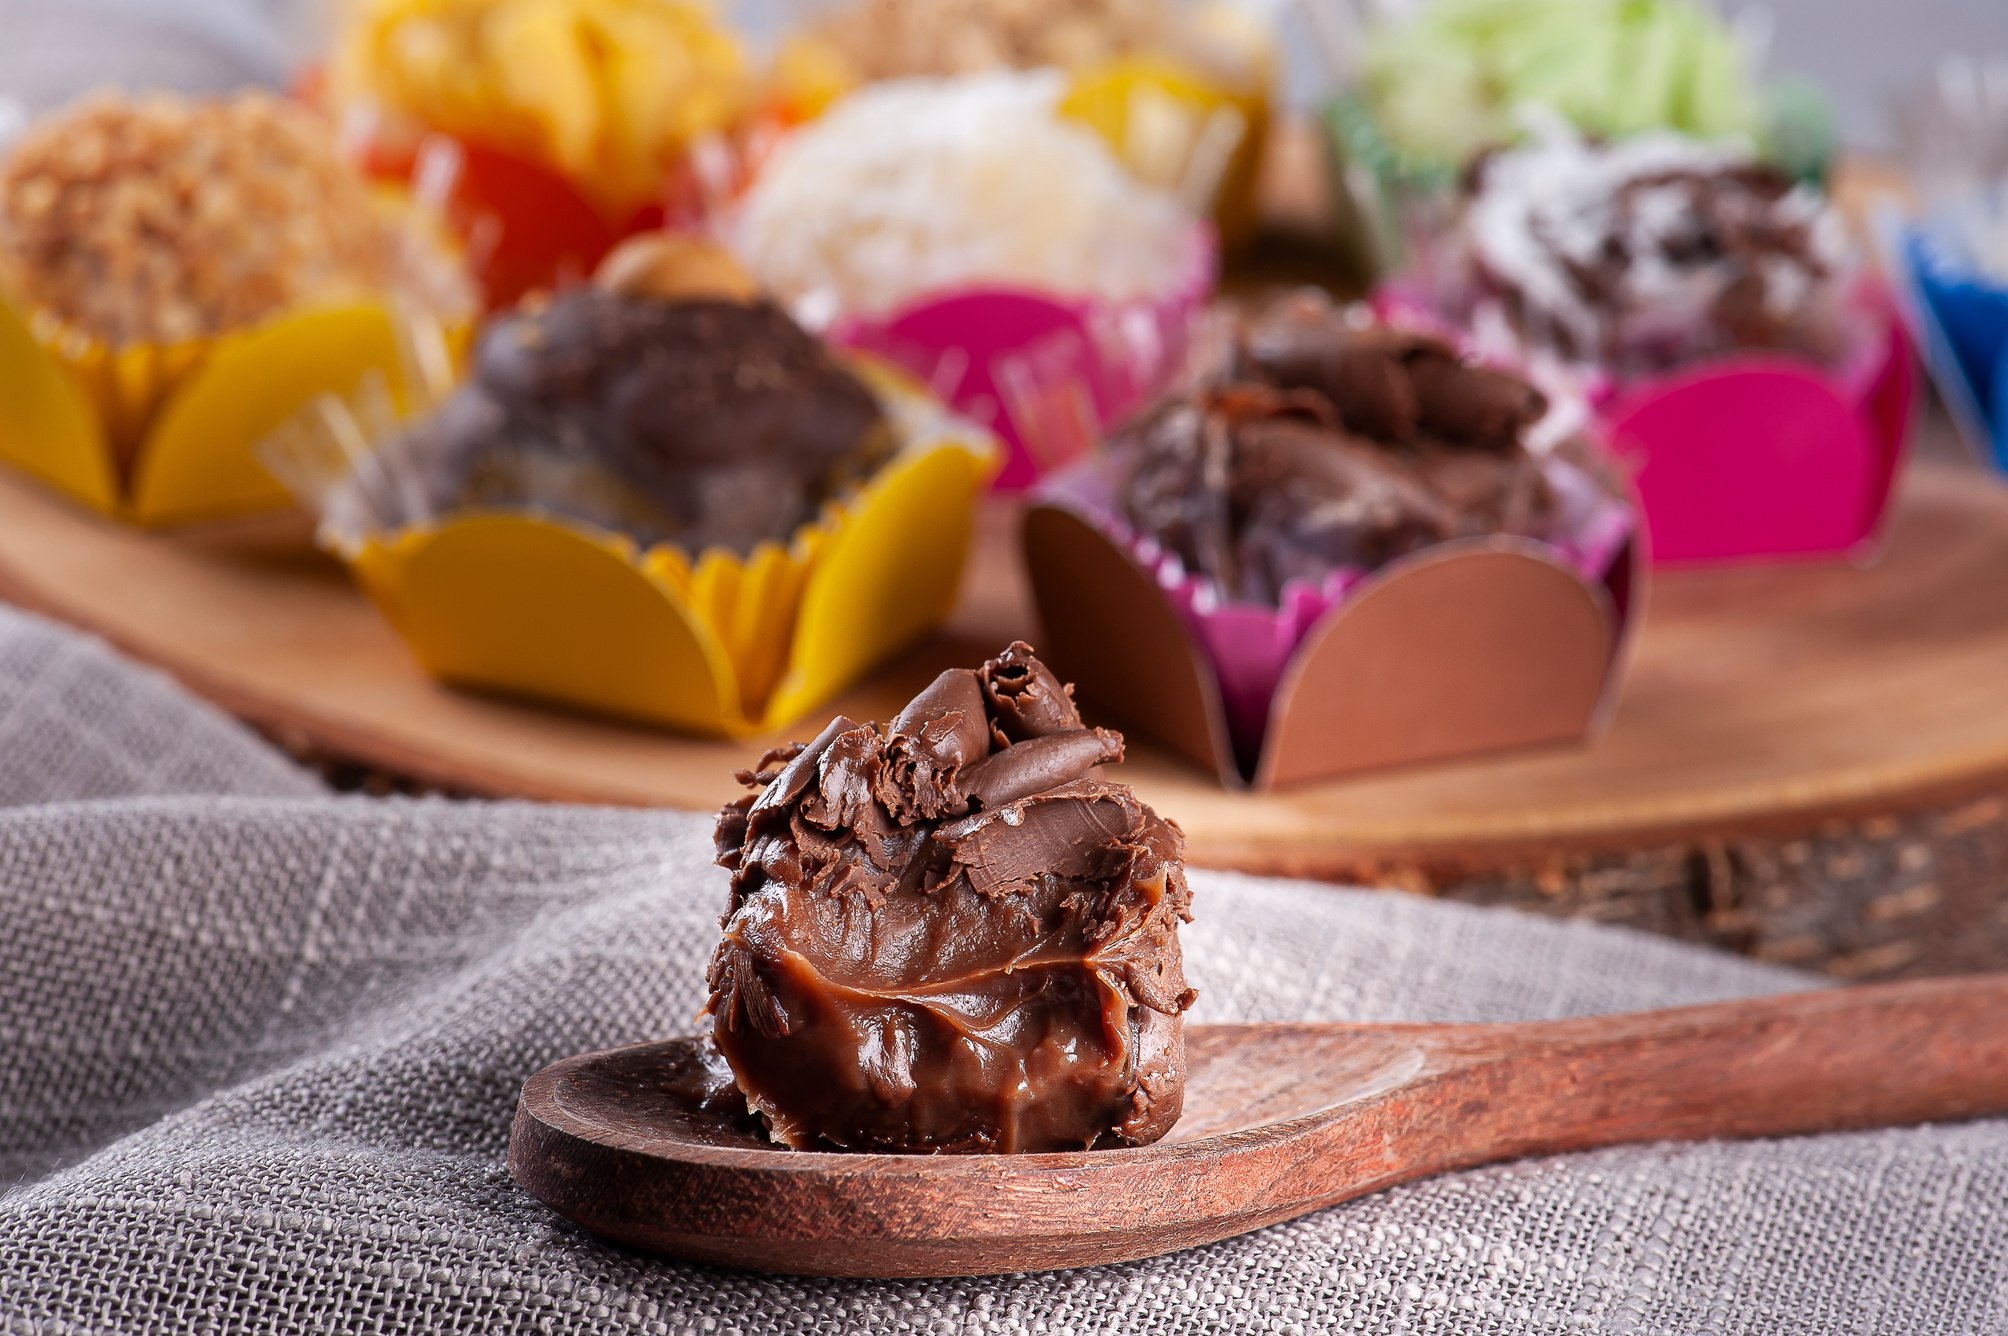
[(262, 1047)]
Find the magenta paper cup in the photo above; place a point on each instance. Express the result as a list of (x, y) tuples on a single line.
[(1049, 375), (1250, 647), (1758, 455), (1768, 456)]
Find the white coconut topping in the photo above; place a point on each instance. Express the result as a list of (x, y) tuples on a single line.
[(913, 186), (1559, 208)]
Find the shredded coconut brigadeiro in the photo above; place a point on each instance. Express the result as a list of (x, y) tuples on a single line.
[(949, 934), (165, 219), (916, 186)]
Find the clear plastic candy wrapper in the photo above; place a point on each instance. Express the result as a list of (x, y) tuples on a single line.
[(677, 507)]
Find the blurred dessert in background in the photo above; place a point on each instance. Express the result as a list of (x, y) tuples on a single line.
[(1953, 257), (1179, 90), (1324, 470), (545, 130), (654, 496), (1451, 79), (692, 419), (1644, 254), (179, 277), (965, 230), (608, 93), (163, 219), (892, 39), (918, 186), (1332, 444), (1443, 81)]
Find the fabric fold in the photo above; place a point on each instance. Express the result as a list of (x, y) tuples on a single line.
[(264, 1046)]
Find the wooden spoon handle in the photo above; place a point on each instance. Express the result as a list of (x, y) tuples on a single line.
[(1873, 1056)]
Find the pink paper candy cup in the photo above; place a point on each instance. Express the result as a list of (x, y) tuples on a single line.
[(1250, 647), (1756, 455), (1767, 456), (1048, 374)]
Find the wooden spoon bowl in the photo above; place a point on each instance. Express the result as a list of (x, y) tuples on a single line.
[(1279, 1120)]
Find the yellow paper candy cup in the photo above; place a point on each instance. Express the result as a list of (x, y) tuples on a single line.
[(168, 435), (721, 645)]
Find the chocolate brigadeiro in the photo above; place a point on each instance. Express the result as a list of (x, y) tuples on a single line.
[(695, 420), (947, 933), (1330, 444)]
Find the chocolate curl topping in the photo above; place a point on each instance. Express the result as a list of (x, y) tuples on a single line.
[(1474, 406), (795, 778), (1079, 830), (1026, 700), (1038, 764), (945, 729), (972, 741), (1391, 386)]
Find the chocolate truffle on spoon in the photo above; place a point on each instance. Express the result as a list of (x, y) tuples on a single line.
[(947, 933)]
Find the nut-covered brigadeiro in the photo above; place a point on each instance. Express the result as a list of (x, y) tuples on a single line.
[(947, 933), (1330, 443), (699, 420), (165, 219)]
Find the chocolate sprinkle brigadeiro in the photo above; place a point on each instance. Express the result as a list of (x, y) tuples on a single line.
[(948, 934), (1328, 445), (698, 421)]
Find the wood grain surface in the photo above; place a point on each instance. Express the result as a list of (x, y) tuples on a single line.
[(1761, 700), (1280, 1120)]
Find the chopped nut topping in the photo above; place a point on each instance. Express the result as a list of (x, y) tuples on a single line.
[(163, 219)]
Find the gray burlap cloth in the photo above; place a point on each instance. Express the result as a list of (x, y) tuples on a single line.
[(261, 1048)]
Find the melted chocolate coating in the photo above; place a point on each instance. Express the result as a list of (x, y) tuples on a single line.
[(703, 422), (948, 934), (1330, 445)]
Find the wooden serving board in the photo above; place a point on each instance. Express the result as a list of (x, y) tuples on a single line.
[(1763, 699)]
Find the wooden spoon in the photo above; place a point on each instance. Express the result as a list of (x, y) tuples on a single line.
[(1279, 1120)]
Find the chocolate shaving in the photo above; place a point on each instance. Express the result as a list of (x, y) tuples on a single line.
[(1026, 700), (943, 730), (1038, 764)]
